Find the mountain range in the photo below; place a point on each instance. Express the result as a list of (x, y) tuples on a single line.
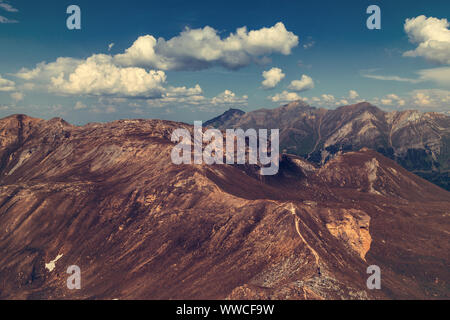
[(107, 198), (420, 142)]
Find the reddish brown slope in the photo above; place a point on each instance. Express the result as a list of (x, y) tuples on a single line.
[(107, 198)]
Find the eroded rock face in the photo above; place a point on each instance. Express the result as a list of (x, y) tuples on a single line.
[(106, 197), (352, 227)]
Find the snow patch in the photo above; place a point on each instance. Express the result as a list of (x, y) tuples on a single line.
[(52, 264)]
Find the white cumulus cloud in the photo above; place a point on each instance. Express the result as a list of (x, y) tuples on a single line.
[(99, 76), (430, 99), (272, 77), (437, 100), (432, 36), (328, 98), (139, 71), (228, 98), (44, 71), (352, 94), (305, 83), (195, 49), (286, 96)]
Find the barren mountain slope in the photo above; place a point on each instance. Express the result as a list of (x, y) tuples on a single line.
[(106, 197)]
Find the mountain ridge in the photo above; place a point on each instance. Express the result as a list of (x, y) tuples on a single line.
[(107, 197)]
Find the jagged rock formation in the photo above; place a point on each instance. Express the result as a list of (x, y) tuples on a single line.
[(106, 197), (420, 142)]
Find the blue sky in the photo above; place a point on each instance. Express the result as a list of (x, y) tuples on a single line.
[(321, 52)]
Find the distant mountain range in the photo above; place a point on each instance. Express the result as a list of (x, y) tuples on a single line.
[(107, 198), (420, 142)]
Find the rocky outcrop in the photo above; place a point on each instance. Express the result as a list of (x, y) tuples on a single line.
[(352, 227)]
